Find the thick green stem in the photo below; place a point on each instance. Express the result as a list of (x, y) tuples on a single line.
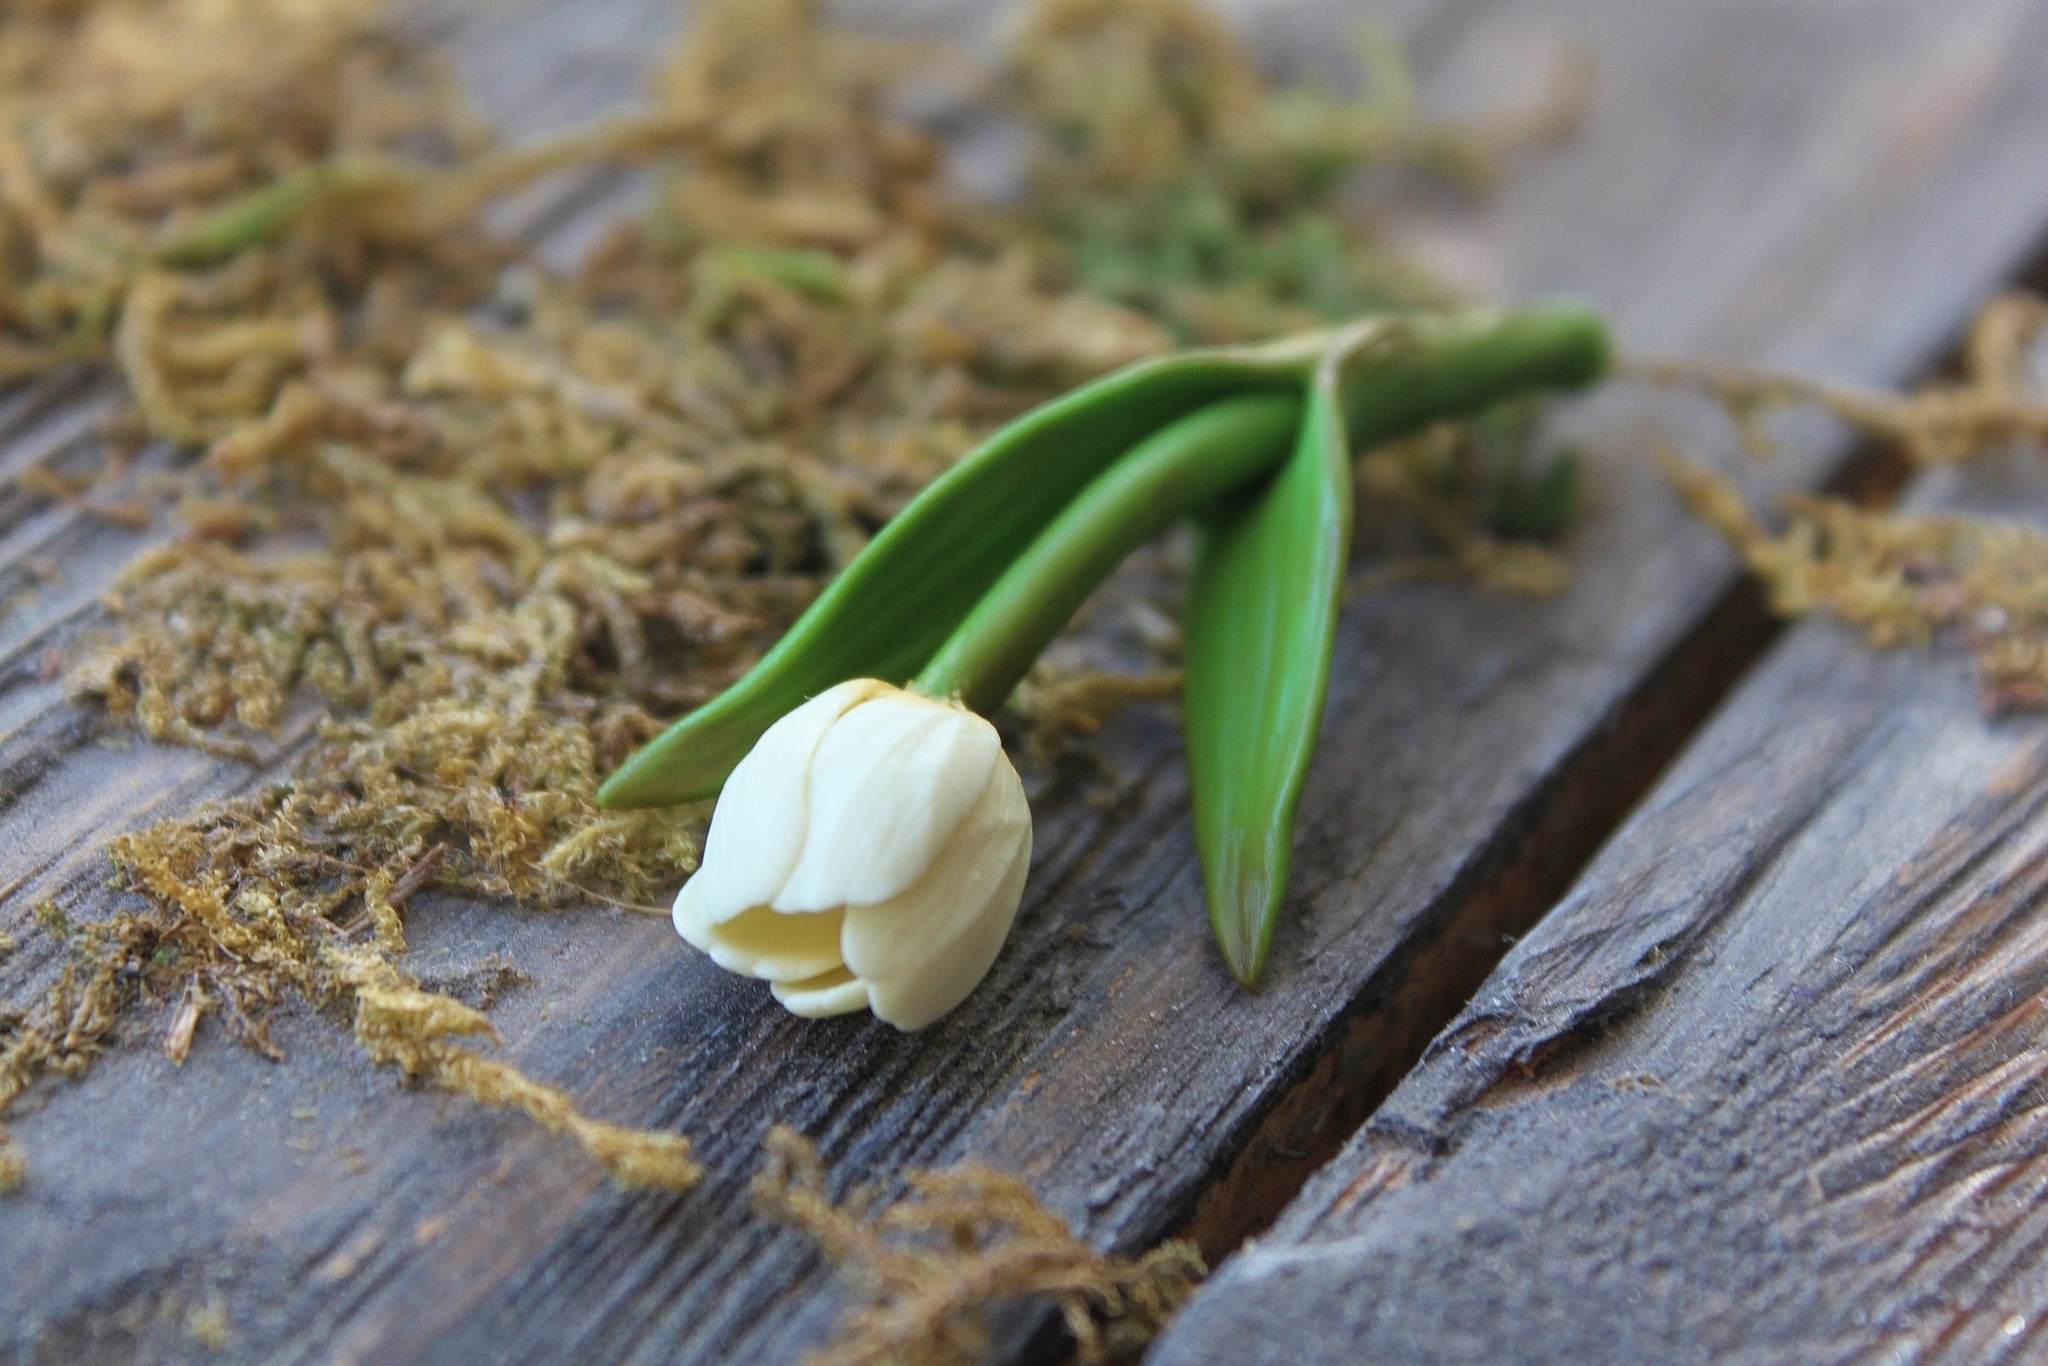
[(1187, 465), (1428, 368)]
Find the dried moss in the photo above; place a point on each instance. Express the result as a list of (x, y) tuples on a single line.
[(1064, 709), (931, 1264), (1173, 176), (1465, 500), (1994, 404), (209, 1324), (322, 353), (396, 1022), (464, 534), (1901, 578)]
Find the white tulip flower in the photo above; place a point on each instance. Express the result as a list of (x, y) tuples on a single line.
[(868, 853)]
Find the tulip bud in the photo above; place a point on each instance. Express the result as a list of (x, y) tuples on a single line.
[(868, 853)]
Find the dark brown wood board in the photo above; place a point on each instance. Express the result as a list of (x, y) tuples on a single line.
[(1832, 185), (1769, 1086)]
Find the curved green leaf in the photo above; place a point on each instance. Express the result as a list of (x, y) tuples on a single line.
[(1267, 583), (899, 600), (1220, 447)]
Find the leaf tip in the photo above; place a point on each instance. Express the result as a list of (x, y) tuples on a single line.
[(1246, 963), (616, 792), (1244, 928)]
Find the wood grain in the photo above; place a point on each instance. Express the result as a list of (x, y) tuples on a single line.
[(1828, 184), (1769, 1086)]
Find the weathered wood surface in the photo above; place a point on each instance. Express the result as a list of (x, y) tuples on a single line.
[(1832, 185), (1769, 1085)]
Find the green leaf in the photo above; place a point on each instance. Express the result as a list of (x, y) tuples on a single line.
[(1268, 578), (899, 600), (1262, 612), (1188, 464)]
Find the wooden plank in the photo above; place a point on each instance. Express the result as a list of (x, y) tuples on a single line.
[(1768, 1087), (1477, 749)]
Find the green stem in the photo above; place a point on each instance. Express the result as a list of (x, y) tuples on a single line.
[(262, 215), (1433, 367), (1187, 465)]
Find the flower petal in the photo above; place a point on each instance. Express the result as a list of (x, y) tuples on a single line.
[(757, 830), (767, 944), (690, 920), (923, 951), (890, 783), (837, 992)]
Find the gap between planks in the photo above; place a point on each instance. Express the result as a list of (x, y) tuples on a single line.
[(1543, 838), (1767, 1088), (1536, 860)]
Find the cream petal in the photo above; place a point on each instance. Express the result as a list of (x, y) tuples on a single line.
[(816, 998), (691, 922), (757, 830), (890, 783), (780, 948), (923, 951)]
